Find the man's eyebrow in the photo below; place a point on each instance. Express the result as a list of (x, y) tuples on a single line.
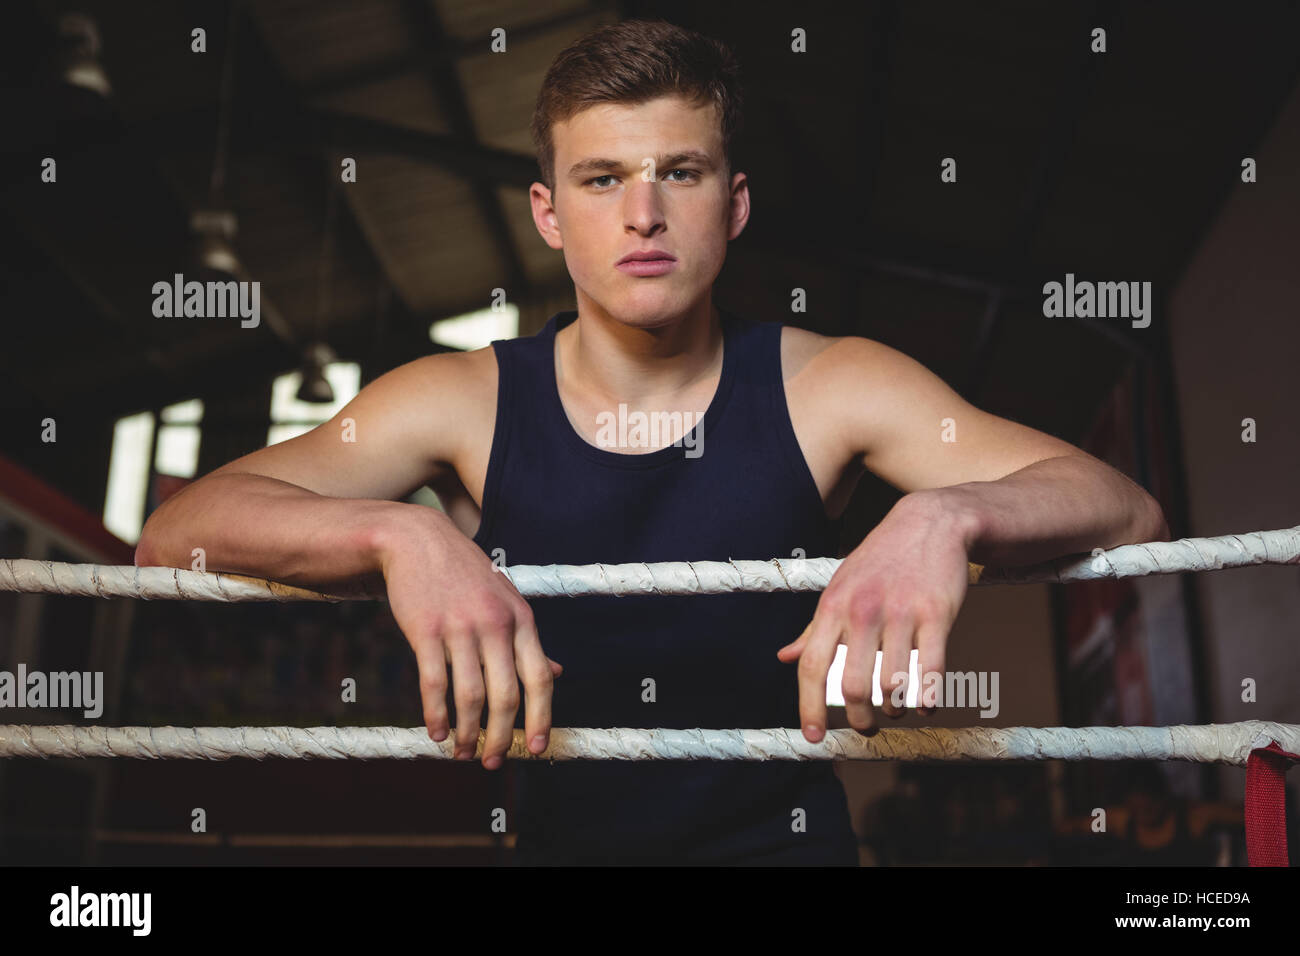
[(598, 164)]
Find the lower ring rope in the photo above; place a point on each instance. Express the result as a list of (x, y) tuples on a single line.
[(1213, 743), (664, 578)]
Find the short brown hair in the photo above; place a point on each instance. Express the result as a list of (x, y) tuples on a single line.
[(632, 62)]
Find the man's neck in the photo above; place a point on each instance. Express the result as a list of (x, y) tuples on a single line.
[(614, 362)]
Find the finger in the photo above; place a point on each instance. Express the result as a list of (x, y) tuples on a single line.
[(856, 685), (537, 671), (792, 650), (896, 642), (429, 658), (498, 653), (930, 641), (814, 662), (468, 680)]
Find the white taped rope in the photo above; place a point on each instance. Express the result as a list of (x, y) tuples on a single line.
[(1214, 743), (663, 578)]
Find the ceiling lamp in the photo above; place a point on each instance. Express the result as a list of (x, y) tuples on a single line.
[(214, 231), (315, 386), (79, 54)]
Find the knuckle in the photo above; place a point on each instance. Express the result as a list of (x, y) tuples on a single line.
[(427, 629), (865, 610), (538, 677), (522, 613), (496, 617), (856, 690), (507, 698), (931, 607), (899, 608), (832, 601), (808, 666), (433, 681), (456, 637), (860, 719)]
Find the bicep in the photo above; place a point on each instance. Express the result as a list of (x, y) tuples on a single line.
[(913, 430), (385, 443)]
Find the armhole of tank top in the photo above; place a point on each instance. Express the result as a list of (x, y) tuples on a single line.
[(794, 456), (500, 442)]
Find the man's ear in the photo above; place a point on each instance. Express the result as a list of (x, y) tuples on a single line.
[(544, 215), (738, 212)]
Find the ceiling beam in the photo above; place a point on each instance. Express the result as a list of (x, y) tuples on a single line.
[(411, 61), (440, 66)]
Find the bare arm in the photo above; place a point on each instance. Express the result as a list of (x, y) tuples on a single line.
[(291, 512), (1023, 495), (261, 526), (317, 510), (976, 487)]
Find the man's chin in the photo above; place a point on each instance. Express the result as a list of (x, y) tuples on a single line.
[(643, 311)]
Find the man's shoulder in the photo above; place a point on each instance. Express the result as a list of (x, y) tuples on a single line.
[(441, 386), (450, 370), (830, 356)]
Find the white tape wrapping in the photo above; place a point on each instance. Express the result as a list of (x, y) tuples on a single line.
[(1214, 743), (663, 578)]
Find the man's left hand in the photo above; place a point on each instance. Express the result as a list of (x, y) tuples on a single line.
[(900, 588)]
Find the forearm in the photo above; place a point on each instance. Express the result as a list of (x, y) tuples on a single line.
[(1058, 506), (264, 527)]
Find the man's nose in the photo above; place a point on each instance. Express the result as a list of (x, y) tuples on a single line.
[(642, 209)]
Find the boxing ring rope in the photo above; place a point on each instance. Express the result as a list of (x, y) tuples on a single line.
[(663, 578), (1265, 748), (1215, 743)]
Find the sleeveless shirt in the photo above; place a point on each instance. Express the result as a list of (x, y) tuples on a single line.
[(738, 488)]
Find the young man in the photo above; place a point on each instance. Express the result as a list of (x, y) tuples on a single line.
[(767, 429)]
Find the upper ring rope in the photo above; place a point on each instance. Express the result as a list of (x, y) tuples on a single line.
[(663, 578)]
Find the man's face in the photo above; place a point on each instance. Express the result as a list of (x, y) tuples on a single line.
[(631, 178)]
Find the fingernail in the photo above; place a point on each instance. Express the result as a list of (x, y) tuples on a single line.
[(812, 730), (492, 762), (463, 754), (440, 735), (539, 743)]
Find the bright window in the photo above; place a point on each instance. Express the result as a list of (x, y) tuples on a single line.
[(178, 439), (128, 476), (475, 330), (291, 417)]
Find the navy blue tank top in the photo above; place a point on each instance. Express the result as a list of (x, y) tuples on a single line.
[(743, 491)]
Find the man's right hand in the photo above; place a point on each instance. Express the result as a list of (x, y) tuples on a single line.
[(455, 608)]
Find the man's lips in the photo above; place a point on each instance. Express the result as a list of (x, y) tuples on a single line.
[(648, 262)]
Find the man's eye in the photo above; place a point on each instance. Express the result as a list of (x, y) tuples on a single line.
[(688, 172), (597, 179)]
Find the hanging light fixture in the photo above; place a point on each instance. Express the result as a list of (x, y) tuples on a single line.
[(79, 54), (213, 232), (213, 226), (315, 386)]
